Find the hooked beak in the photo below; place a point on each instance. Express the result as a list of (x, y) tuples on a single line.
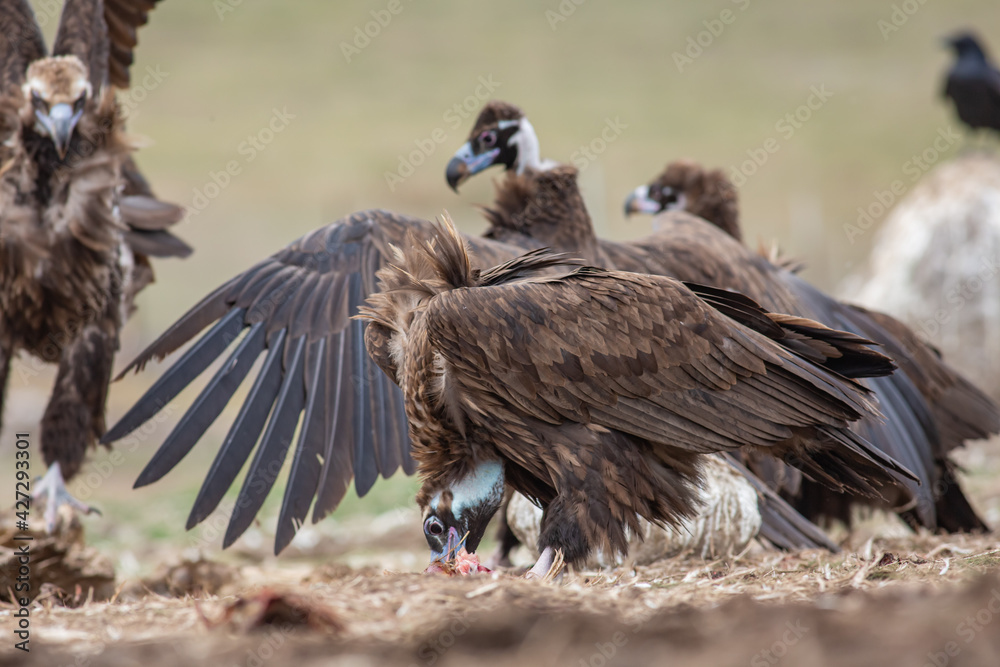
[(454, 543), (639, 202), (465, 164), (59, 123)]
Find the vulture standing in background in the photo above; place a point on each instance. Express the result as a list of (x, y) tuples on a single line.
[(945, 409), (78, 222), (597, 393), (973, 84), (929, 408)]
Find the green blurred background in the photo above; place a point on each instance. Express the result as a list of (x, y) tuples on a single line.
[(225, 66)]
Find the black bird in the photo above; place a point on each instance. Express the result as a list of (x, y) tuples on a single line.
[(78, 222), (973, 83)]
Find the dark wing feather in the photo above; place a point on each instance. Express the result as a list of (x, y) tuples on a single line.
[(645, 356), (930, 409), (83, 33), (147, 217), (781, 524), (21, 42), (300, 300), (123, 19)]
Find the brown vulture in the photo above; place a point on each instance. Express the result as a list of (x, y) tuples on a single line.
[(597, 393), (943, 408), (929, 408), (78, 222)]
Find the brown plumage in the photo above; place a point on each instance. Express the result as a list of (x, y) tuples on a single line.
[(947, 410), (595, 392), (69, 269), (921, 423)]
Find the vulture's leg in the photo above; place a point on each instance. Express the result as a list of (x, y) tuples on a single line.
[(74, 418), (542, 565)]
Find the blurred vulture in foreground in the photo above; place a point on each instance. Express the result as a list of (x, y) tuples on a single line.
[(78, 222), (930, 407), (596, 394)]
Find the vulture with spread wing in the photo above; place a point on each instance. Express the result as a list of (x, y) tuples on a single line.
[(938, 407), (929, 408), (78, 222), (596, 393)]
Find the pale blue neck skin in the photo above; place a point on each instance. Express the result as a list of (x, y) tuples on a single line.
[(484, 485)]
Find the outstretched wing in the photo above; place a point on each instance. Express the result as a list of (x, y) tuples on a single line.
[(83, 33), (21, 42), (295, 308), (123, 18), (102, 35), (644, 355)]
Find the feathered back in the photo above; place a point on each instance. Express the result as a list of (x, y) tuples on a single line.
[(426, 267)]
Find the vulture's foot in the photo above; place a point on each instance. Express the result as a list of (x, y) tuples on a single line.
[(548, 567), (53, 489)]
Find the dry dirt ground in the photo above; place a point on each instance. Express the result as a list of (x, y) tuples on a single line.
[(915, 600), (354, 595)]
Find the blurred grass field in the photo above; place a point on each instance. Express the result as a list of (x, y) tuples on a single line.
[(226, 66)]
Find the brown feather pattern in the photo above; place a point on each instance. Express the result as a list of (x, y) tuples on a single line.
[(599, 387)]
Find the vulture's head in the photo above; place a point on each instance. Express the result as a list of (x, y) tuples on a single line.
[(457, 513), (57, 89), (966, 44), (687, 186), (502, 135)]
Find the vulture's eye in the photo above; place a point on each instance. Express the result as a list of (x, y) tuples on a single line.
[(669, 196), (37, 100), (80, 101), (433, 526), (488, 139)]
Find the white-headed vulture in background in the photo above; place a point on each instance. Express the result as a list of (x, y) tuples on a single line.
[(78, 222)]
